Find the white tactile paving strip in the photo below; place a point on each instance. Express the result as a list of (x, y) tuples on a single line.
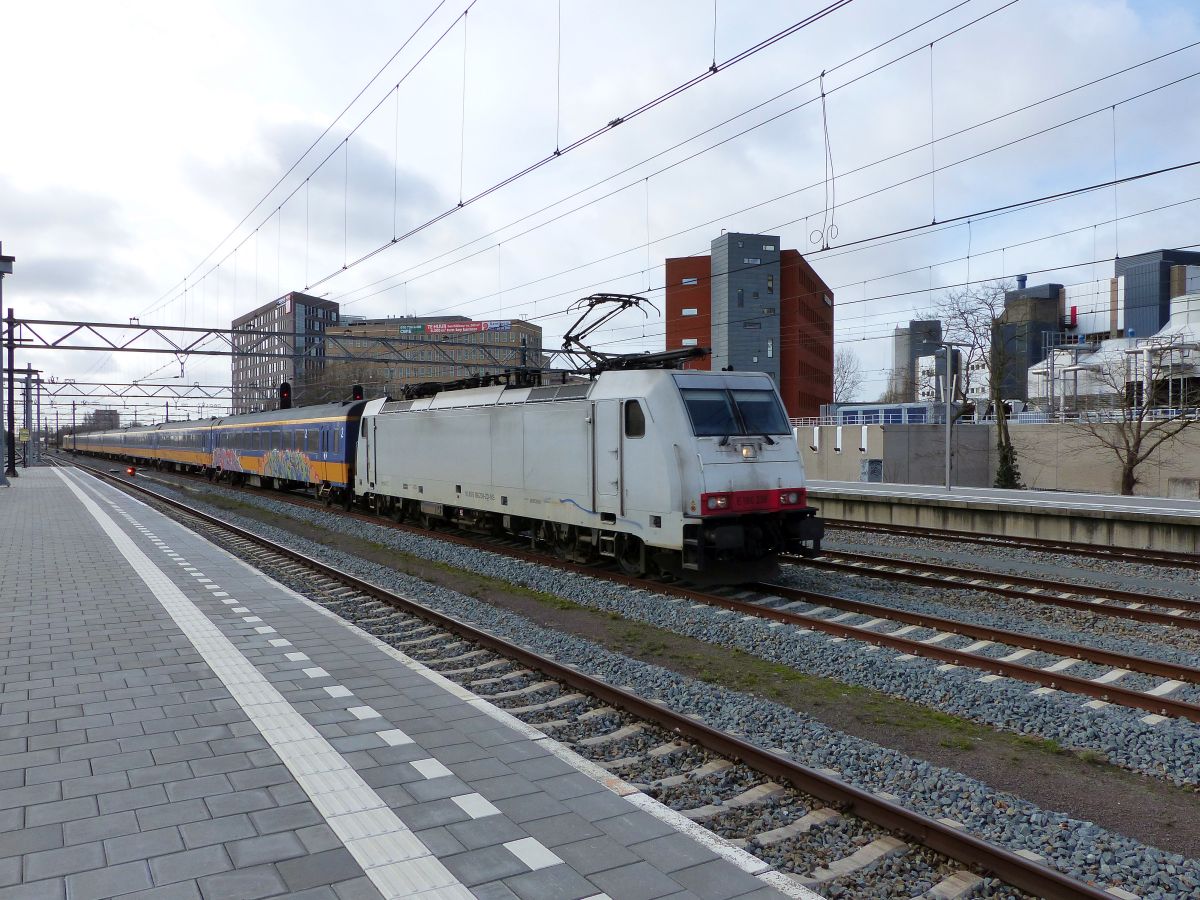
[(395, 860), (349, 802)]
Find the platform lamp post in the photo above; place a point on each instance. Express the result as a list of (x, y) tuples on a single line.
[(6, 268)]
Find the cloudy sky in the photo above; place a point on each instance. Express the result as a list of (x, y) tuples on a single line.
[(134, 137)]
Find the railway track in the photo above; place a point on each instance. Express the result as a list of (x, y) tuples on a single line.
[(1041, 545), (660, 752), (1140, 607), (996, 653)]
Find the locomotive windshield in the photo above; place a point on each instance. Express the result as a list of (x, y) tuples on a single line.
[(720, 412)]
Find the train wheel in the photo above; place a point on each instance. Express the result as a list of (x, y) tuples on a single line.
[(564, 541), (631, 555)]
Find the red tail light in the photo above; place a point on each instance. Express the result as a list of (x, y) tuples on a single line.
[(734, 502), (130, 471)]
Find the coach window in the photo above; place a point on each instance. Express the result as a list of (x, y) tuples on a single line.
[(635, 420), (312, 440)]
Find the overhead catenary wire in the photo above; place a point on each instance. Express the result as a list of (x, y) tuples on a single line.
[(842, 248), (318, 140), (810, 80), (645, 107)]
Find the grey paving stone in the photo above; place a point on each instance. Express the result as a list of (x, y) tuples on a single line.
[(14, 779), (554, 883), (190, 864), (110, 881), (634, 827), (143, 845), (95, 784), (182, 890), (122, 762), (595, 855), (10, 871), (528, 807), (285, 818), (240, 802), (172, 814), (673, 851), (265, 849), (27, 796), (133, 798), (217, 831), (637, 881), (317, 838), (30, 840), (50, 889), (485, 864), (60, 811), (58, 772), (63, 861), (716, 880), (566, 787), (319, 868), (100, 827), (429, 815), (192, 788), (497, 890), (356, 889), (159, 774), (475, 833), (244, 884), (217, 765), (564, 829)]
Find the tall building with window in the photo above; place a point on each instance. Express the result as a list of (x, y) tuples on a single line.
[(759, 309), (295, 325), (416, 349)]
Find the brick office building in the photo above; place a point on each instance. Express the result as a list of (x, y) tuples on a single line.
[(759, 309)]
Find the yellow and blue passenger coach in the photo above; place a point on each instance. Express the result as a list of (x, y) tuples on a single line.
[(312, 446)]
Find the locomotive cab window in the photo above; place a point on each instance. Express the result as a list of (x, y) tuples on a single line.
[(716, 412), (710, 411), (760, 412), (635, 420)]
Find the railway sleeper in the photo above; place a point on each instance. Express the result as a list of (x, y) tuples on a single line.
[(958, 886), (521, 692), (562, 700), (760, 793), (467, 670), (712, 767), (611, 736), (805, 823), (862, 858), (497, 679)]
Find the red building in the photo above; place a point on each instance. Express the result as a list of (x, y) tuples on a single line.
[(804, 315)]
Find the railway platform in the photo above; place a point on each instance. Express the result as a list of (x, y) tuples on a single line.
[(1151, 523), (175, 724)]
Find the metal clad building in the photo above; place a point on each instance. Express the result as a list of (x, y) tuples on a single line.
[(1148, 288), (745, 303), (760, 310)]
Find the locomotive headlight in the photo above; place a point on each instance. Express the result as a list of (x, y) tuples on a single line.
[(789, 498), (720, 502), (748, 452)]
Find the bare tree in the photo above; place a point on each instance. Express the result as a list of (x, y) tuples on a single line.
[(972, 317), (847, 375), (1140, 420), (894, 392)]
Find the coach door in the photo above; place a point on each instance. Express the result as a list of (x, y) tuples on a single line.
[(606, 456)]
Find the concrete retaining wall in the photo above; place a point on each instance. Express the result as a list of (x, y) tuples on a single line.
[(1051, 457)]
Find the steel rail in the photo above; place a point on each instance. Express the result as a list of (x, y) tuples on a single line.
[(1025, 874), (1123, 612), (1045, 545), (1031, 674), (1025, 641)]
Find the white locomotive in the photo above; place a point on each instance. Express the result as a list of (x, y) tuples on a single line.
[(662, 470)]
